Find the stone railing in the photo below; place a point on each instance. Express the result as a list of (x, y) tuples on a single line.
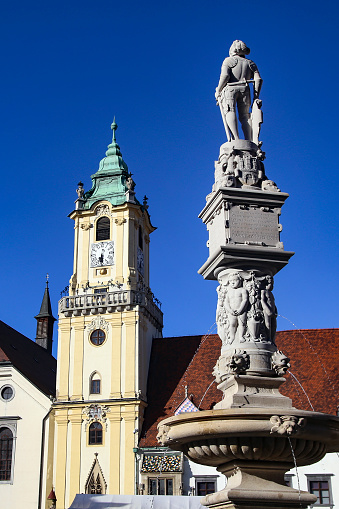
[(99, 303)]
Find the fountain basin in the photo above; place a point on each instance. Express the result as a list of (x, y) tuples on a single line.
[(213, 437), (253, 448)]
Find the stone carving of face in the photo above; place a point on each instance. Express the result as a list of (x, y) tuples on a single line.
[(234, 281), (269, 284)]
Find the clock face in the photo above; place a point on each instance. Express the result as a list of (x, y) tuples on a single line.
[(102, 253), (140, 261)]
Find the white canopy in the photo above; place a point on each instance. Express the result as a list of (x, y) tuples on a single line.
[(135, 502)]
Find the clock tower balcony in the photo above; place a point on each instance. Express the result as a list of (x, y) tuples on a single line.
[(110, 302)]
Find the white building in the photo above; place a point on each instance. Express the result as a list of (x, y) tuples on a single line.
[(27, 383)]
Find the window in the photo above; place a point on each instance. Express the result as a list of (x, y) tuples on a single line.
[(7, 393), (6, 451), (320, 485), (95, 433), (95, 387), (97, 337), (288, 480), (95, 487), (95, 483), (160, 486), (103, 229), (101, 290), (205, 485), (140, 238), (95, 384)]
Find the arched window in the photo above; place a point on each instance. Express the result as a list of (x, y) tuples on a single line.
[(95, 384), (95, 433), (103, 229), (6, 450), (141, 244)]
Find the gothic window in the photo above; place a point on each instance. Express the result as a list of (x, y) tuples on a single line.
[(97, 337), (95, 483), (95, 384), (95, 433), (103, 229), (6, 451), (95, 487)]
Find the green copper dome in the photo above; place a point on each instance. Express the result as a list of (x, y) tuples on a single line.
[(109, 181)]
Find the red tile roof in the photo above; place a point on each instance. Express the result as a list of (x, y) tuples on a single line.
[(32, 360), (189, 360)]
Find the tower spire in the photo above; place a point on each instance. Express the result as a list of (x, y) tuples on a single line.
[(109, 182), (45, 321)]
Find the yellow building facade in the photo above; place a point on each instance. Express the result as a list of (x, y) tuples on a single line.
[(106, 326)]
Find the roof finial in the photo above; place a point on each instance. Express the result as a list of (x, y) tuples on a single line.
[(47, 278), (114, 127)]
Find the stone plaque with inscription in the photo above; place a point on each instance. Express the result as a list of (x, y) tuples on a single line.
[(253, 225)]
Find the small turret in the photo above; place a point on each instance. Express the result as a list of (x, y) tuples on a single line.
[(45, 322)]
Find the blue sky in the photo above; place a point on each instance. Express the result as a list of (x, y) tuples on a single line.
[(69, 67)]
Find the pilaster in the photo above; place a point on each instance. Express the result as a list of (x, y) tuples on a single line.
[(130, 416), (75, 419), (130, 369), (78, 355), (119, 257), (63, 359), (61, 420), (84, 247), (116, 324), (114, 418)]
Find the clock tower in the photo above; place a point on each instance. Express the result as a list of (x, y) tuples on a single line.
[(106, 326)]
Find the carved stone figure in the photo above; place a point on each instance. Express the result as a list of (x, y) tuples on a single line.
[(246, 310), (236, 302), (255, 314), (80, 190), (280, 363), (269, 308), (240, 361), (221, 315), (233, 92), (130, 184), (286, 424), (269, 185), (235, 364)]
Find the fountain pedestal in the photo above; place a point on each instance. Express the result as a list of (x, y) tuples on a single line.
[(253, 435)]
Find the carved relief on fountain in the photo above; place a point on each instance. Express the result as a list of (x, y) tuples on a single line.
[(246, 310)]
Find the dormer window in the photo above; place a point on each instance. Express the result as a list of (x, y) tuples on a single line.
[(103, 229)]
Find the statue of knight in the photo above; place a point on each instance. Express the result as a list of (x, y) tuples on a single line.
[(233, 91)]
